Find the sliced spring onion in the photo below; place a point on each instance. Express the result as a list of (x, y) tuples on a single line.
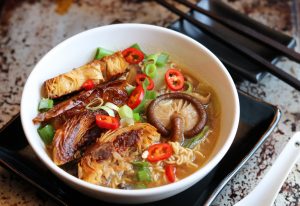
[(150, 70), (151, 59), (140, 164), (129, 88), (112, 106), (46, 133), (126, 122), (108, 110), (151, 94), (144, 175), (101, 52), (125, 112), (45, 104), (95, 104), (188, 87), (136, 117), (195, 140), (136, 46), (162, 59), (140, 108)]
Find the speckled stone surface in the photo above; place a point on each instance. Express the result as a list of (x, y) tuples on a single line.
[(30, 28)]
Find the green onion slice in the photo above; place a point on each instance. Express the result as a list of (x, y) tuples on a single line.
[(46, 133), (151, 59), (150, 70), (45, 104), (140, 164), (144, 175), (129, 88), (108, 110), (162, 59), (101, 52), (125, 112), (188, 86), (136, 117), (191, 143), (136, 46), (151, 94), (112, 106), (95, 104), (126, 122)]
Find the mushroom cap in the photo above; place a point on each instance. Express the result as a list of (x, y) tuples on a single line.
[(161, 110), (167, 108)]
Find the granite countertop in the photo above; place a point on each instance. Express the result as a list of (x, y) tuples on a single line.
[(31, 28)]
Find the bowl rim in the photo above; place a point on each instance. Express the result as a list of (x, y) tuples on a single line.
[(189, 180)]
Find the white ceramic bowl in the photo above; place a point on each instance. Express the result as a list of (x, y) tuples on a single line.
[(80, 49)]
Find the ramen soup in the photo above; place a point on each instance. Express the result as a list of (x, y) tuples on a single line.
[(128, 120)]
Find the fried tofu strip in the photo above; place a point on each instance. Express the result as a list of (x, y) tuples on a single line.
[(98, 70), (107, 161)]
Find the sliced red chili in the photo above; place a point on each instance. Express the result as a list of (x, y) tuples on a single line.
[(140, 78), (174, 79), (136, 97), (88, 84), (107, 122), (133, 55), (159, 152), (170, 171)]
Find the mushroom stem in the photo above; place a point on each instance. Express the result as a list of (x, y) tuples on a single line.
[(177, 134)]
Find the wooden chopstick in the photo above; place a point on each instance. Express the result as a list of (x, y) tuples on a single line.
[(247, 31), (292, 81)]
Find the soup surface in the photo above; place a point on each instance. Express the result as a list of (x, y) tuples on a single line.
[(129, 120)]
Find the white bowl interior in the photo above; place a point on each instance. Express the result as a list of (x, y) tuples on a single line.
[(80, 49)]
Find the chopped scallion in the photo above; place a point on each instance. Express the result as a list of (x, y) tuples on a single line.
[(46, 133), (112, 106), (141, 107), (191, 143), (150, 70), (151, 94), (95, 104), (108, 110), (140, 164), (151, 59), (101, 52), (162, 59), (45, 104), (136, 117), (136, 46), (144, 175), (129, 88), (188, 87), (125, 112), (126, 122)]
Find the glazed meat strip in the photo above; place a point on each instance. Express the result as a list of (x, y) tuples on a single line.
[(75, 125), (113, 91), (72, 136), (99, 71)]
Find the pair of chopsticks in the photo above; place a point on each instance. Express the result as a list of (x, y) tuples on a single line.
[(250, 33)]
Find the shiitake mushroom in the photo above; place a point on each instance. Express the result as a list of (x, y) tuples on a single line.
[(171, 121)]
